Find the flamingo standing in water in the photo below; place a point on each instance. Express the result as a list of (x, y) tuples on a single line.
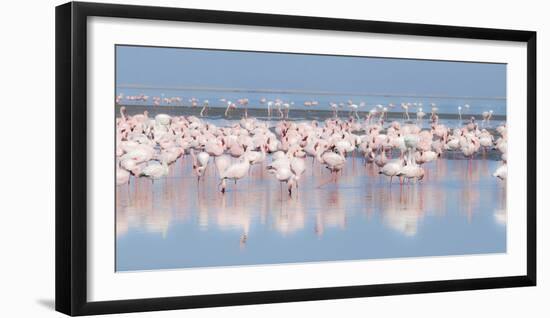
[(297, 165), (392, 168), (372, 114), (244, 102), (419, 116), (434, 118), (235, 172), (122, 175), (200, 162), (284, 175), (334, 161), (269, 106), (155, 171), (278, 104), (287, 108), (230, 105), (119, 98), (412, 171), (353, 108), (204, 110), (263, 101), (501, 172), (193, 101), (486, 115), (334, 107), (405, 107), (222, 162)]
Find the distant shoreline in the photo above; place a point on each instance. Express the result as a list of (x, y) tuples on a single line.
[(302, 92), (313, 114)]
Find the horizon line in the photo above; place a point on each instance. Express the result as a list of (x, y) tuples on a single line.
[(290, 91)]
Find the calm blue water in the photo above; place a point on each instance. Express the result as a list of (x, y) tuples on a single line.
[(445, 105), (175, 223)]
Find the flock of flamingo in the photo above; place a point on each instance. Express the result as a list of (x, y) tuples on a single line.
[(283, 107), (146, 147)]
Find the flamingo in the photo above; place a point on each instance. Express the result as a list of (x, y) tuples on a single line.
[(380, 160), (420, 115), (434, 118), (269, 106), (257, 157), (334, 161), (222, 162), (501, 172), (284, 175), (230, 105), (372, 113), (155, 171), (392, 168), (278, 104), (122, 176), (287, 108), (200, 162), (244, 102), (215, 147), (334, 107), (486, 115), (411, 171), (235, 172), (405, 107), (298, 166), (353, 108), (204, 110), (426, 156)]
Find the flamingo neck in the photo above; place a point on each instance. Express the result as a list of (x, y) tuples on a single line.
[(122, 115)]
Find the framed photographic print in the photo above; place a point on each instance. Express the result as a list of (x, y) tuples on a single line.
[(209, 158)]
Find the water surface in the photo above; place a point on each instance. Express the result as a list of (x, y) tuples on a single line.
[(459, 208)]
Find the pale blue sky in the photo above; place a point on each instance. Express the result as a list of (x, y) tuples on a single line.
[(171, 67)]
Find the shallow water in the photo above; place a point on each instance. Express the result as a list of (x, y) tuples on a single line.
[(446, 105), (176, 222), (302, 114)]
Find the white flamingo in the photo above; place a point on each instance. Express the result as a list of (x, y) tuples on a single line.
[(122, 175), (501, 172), (155, 171), (235, 172), (204, 110), (334, 161), (392, 168), (284, 175), (405, 107), (200, 162)]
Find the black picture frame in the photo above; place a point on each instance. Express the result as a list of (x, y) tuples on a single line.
[(71, 157)]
